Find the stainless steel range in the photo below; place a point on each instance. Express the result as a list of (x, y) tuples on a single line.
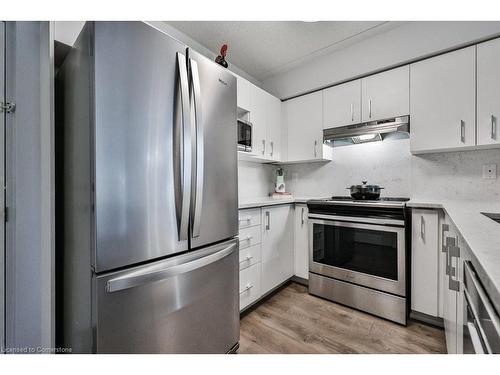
[(358, 254)]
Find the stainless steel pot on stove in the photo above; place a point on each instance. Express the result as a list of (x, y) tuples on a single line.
[(365, 192)]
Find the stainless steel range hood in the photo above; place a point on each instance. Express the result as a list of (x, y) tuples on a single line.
[(367, 131)]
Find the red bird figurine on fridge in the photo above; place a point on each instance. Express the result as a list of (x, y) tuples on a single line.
[(221, 59)]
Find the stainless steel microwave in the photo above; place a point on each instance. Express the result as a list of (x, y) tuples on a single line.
[(244, 135)]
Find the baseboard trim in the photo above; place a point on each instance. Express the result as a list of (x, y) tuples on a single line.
[(427, 319), (300, 280)]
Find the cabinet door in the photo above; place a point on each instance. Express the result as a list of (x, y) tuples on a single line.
[(273, 128), (301, 243), (386, 94), (424, 265), (488, 92), (243, 93), (342, 105), (304, 118), (258, 105), (442, 105), (277, 246)]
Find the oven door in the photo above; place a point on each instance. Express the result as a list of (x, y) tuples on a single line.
[(371, 255)]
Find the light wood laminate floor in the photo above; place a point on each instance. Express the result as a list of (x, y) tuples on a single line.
[(292, 321)]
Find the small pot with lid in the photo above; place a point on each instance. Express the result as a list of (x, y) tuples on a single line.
[(365, 192)]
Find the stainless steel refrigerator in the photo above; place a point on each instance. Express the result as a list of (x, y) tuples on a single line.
[(149, 198)]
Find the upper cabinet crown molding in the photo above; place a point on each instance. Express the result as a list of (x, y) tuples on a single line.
[(442, 106)]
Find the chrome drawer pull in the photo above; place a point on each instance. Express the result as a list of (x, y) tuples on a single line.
[(245, 219), (248, 257), (247, 288)]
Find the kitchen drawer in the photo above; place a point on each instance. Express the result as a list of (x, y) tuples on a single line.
[(250, 236), (249, 218), (249, 256), (249, 285)]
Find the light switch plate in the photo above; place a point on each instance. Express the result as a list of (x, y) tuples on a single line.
[(490, 171)]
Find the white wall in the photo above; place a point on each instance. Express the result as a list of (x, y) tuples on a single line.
[(255, 180), (456, 175), (408, 42)]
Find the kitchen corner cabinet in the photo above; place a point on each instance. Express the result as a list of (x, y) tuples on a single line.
[(443, 100), (301, 243), (425, 262), (277, 246), (304, 119), (488, 93), (342, 105), (386, 94)]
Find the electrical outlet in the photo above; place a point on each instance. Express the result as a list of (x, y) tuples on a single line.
[(490, 171)]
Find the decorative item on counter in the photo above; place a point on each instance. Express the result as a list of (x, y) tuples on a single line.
[(280, 181), (221, 59)]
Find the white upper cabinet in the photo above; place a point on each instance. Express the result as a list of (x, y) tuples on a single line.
[(258, 118), (386, 94), (273, 122), (304, 119), (342, 105), (442, 105), (243, 93), (488, 93)]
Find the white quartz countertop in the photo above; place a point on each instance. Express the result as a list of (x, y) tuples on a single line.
[(481, 234), (268, 201)]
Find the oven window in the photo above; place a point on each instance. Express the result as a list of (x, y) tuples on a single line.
[(372, 252)]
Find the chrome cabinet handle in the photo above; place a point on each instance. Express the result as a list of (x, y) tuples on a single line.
[(268, 220), (263, 147), (272, 148), (245, 219), (352, 112), (315, 149), (450, 242), (493, 127), (247, 258), (453, 252), (247, 288), (462, 131), (302, 216), (422, 228), (369, 108), (445, 228), (247, 238)]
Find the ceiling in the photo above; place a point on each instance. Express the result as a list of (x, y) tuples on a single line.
[(264, 48)]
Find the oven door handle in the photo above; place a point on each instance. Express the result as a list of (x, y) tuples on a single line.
[(361, 220)]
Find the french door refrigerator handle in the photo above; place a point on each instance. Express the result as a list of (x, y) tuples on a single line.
[(152, 274), (198, 145), (182, 153)]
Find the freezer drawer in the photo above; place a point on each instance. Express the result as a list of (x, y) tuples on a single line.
[(187, 304)]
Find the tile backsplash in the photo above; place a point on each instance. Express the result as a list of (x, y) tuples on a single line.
[(452, 175)]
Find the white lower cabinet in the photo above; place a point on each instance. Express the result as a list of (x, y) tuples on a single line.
[(277, 246), (301, 243), (249, 285), (425, 262), (273, 247)]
